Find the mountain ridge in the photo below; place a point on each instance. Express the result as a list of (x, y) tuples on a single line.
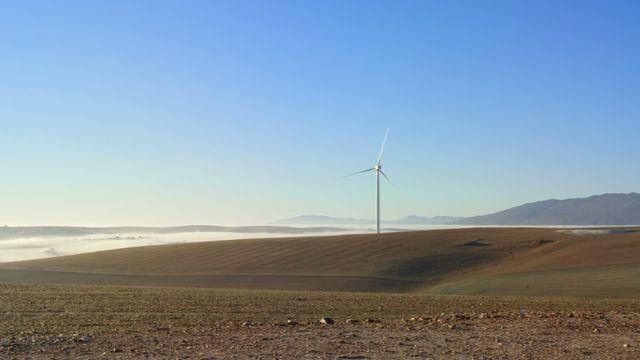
[(605, 209)]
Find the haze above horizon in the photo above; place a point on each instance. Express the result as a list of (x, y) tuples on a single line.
[(244, 112)]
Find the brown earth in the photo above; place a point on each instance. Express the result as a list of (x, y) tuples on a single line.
[(89, 322), (498, 261), (262, 282)]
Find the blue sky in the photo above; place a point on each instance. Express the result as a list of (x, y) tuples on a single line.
[(237, 112)]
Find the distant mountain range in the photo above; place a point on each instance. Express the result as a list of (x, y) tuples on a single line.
[(607, 209), (423, 220), (408, 220), (321, 219)]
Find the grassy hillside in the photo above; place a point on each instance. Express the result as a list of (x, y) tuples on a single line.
[(511, 261)]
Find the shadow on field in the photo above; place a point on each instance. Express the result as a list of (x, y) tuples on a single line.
[(261, 282)]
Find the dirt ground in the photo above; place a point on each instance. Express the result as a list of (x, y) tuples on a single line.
[(78, 322), (536, 336)]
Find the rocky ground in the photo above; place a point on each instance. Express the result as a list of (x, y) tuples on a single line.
[(447, 336), (58, 322)]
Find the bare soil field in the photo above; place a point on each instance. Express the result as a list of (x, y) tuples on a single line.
[(592, 263), (447, 294), (262, 282), (89, 322)]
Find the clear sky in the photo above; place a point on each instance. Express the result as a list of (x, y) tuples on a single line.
[(238, 112)]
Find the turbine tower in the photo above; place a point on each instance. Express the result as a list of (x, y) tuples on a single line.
[(378, 169)]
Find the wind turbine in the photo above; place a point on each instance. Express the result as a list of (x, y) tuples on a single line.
[(378, 169)]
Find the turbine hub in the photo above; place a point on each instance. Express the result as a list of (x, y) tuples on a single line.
[(377, 167)]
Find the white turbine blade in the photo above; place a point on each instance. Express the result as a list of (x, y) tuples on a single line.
[(386, 177), (356, 173), (382, 148)]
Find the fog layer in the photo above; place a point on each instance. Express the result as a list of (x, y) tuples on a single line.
[(22, 245)]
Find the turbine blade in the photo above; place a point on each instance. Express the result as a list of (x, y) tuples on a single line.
[(382, 148), (356, 173), (386, 177)]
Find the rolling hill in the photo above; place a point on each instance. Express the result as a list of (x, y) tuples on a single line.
[(506, 261)]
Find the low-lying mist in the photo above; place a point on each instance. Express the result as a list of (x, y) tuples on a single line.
[(18, 244), (39, 247)]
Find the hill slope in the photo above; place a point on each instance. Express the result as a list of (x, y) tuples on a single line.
[(458, 261), (419, 255), (607, 209)]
